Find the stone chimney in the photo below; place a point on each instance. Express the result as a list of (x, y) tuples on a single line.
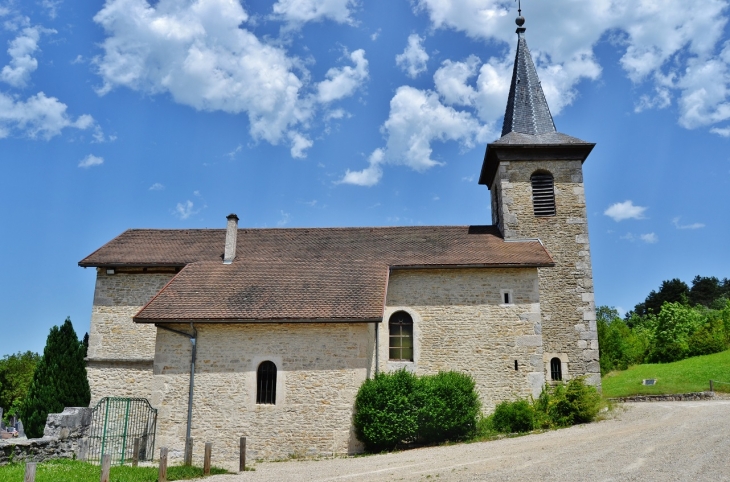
[(231, 233)]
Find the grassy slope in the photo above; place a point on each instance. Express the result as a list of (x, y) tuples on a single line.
[(690, 375), (74, 471)]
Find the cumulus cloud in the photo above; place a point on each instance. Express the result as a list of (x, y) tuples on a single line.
[(185, 210), (414, 57), (298, 12), (91, 161), (342, 82), (625, 210), (721, 131), (299, 144), (417, 119), (671, 45), (201, 54), (157, 187), (51, 7), (649, 238), (37, 117), (22, 63), (678, 225)]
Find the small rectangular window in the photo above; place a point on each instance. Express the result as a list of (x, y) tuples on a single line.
[(506, 298)]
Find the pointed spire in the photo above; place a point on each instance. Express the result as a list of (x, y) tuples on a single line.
[(527, 110)]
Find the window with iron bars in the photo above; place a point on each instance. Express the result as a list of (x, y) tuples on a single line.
[(556, 370), (266, 383)]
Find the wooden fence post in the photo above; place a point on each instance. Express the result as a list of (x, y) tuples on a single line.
[(29, 472), (711, 387), (162, 475), (135, 454), (188, 451), (106, 464), (242, 457), (206, 460)]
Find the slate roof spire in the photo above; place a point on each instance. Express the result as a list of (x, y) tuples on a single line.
[(527, 110)]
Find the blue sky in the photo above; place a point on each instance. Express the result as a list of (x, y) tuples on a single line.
[(174, 113)]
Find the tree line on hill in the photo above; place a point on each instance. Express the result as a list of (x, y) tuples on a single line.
[(32, 385), (671, 324)]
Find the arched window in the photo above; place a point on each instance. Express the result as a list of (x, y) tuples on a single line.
[(266, 383), (543, 194), (401, 336), (556, 370)]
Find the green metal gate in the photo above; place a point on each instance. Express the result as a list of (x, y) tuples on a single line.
[(115, 423)]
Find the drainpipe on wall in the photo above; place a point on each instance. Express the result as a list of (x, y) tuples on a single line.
[(193, 341)]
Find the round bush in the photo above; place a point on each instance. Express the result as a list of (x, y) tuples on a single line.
[(514, 417), (386, 411), (449, 407)]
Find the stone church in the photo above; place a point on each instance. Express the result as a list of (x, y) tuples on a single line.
[(280, 327)]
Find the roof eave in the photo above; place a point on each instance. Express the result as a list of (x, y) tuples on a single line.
[(156, 321), (497, 153)]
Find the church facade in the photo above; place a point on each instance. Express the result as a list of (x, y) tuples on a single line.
[(270, 332)]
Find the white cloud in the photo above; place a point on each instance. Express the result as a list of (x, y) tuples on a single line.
[(235, 151), (22, 63), (298, 12), (369, 176), (284, 219), (299, 144), (374, 36), (625, 210), (677, 224), (417, 119), (721, 131), (342, 82), (414, 57), (78, 60), (157, 187), (4, 11), (202, 55), (51, 7), (91, 161), (185, 210), (671, 44), (649, 238), (38, 116)]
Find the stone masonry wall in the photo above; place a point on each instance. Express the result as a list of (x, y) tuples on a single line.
[(120, 351), (320, 367), (461, 323), (566, 290), (63, 438)]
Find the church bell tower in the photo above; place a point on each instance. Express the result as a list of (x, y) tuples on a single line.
[(535, 176)]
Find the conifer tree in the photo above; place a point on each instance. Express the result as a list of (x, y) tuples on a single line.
[(59, 380)]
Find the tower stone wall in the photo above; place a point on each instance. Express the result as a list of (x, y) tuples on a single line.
[(121, 352), (566, 290)]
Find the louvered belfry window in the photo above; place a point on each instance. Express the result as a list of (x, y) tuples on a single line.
[(266, 383), (543, 194)]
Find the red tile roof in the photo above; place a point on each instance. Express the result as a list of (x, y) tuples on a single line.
[(333, 274)]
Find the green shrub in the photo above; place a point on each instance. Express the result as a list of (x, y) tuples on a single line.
[(568, 404), (513, 417), (399, 407), (386, 411), (449, 407)]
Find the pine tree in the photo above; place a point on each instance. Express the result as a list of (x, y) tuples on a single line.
[(59, 380)]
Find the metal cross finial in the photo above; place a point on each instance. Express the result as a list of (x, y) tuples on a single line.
[(519, 7)]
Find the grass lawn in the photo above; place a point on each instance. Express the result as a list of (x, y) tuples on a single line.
[(75, 471), (690, 375)]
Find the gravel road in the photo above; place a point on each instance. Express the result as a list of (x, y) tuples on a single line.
[(661, 441)]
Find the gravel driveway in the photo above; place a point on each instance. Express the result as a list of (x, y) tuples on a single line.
[(661, 441)]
